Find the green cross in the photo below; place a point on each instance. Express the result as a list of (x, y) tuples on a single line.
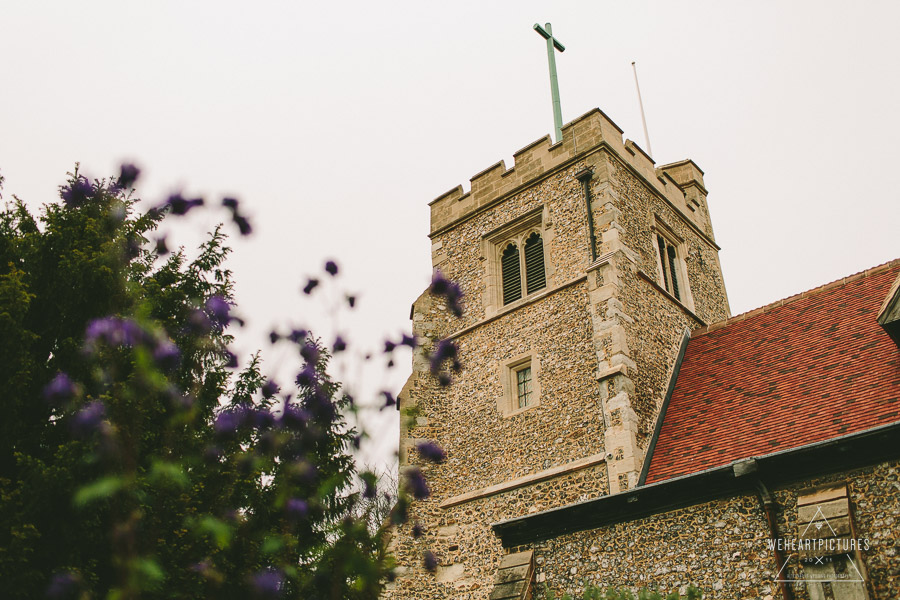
[(547, 33)]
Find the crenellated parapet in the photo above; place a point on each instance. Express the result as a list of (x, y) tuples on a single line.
[(681, 184)]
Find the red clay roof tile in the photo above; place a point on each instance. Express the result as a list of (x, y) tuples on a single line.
[(802, 370)]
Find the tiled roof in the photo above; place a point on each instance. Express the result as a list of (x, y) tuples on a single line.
[(802, 370)]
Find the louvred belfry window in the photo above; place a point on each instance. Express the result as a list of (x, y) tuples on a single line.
[(512, 274), (668, 259), (535, 279)]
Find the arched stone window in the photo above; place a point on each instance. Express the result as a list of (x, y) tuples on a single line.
[(512, 274), (535, 278)]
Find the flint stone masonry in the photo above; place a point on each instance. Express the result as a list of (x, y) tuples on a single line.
[(603, 331), (721, 546)]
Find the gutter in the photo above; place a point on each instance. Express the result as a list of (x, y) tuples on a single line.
[(843, 453)]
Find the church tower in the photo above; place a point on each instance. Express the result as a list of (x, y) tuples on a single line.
[(584, 268)]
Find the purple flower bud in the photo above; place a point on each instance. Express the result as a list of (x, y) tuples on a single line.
[(262, 418), (89, 418), (431, 451), (294, 417), (231, 359), (77, 192), (243, 224), (306, 377), (331, 268), (297, 335), (439, 284), (274, 336), (389, 346), (230, 203), (128, 174), (430, 561), (60, 389), (161, 248), (310, 286), (443, 350), (408, 340), (296, 508), (268, 583), (417, 530), (198, 322), (389, 399), (270, 388), (339, 344), (180, 206), (417, 485), (228, 422), (63, 585), (218, 310), (351, 300), (167, 355), (310, 353)]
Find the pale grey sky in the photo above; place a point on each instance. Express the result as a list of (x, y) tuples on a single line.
[(336, 123)]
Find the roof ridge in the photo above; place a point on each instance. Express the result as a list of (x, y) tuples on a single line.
[(876, 270)]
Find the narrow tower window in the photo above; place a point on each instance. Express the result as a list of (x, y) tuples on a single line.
[(512, 276), (523, 386), (535, 278), (668, 266)]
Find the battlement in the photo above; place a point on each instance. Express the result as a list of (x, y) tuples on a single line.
[(580, 137)]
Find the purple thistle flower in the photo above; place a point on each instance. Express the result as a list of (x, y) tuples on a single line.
[(310, 286), (430, 561), (243, 224), (274, 336), (218, 309), (389, 346), (297, 508), (339, 344), (310, 353), (417, 530), (230, 203), (417, 485), (431, 451), (409, 340), (270, 388), (167, 355), (161, 248), (268, 583), (77, 193), (63, 585), (180, 206), (331, 268), (231, 359), (128, 174), (60, 389), (89, 418), (389, 399)]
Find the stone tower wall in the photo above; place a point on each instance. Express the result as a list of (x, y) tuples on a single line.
[(601, 339)]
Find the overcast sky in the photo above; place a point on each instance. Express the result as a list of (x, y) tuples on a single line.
[(336, 123)]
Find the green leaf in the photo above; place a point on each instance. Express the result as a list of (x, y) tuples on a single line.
[(98, 490), (167, 472)]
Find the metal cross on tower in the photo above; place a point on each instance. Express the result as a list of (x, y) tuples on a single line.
[(547, 33)]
